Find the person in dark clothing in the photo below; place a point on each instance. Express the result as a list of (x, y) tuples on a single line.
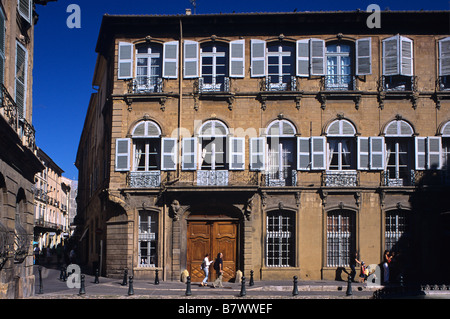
[(353, 261), (218, 267)]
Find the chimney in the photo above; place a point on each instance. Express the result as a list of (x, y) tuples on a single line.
[(188, 12)]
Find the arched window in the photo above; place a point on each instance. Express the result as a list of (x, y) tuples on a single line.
[(341, 145), (148, 68), (445, 132), (399, 151), (146, 137), (212, 138), (339, 74), (281, 157)]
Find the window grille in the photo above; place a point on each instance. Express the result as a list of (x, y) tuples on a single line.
[(148, 239), (280, 239), (340, 238), (396, 230)]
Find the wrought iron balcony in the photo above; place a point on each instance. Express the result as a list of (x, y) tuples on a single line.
[(146, 84), (212, 178), (340, 178), (148, 179), (398, 180), (213, 87), (444, 83), (280, 179), (397, 83), (339, 83), (270, 86)]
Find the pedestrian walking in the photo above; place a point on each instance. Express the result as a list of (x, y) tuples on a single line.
[(218, 267), (353, 261), (205, 268), (386, 260)]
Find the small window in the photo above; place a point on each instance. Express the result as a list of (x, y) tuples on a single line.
[(148, 68)]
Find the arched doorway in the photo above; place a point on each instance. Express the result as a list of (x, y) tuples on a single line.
[(212, 233)]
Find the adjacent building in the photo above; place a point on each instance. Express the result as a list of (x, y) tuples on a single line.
[(286, 141), (18, 158)]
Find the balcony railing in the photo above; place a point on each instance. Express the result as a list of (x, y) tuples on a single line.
[(268, 86), (212, 178), (406, 180), (146, 84), (148, 179), (213, 87), (339, 83), (340, 178), (398, 83)]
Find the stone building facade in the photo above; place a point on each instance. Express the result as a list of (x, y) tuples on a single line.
[(18, 157), (286, 141)]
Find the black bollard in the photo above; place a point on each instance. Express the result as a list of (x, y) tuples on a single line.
[(349, 286), (251, 283), (125, 275), (295, 290), (61, 274), (243, 292), (188, 286), (65, 274), (96, 277), (156, 277), (82, 290), (130, 287), (41, 288)]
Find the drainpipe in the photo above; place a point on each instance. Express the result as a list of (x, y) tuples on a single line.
[(180, 97)]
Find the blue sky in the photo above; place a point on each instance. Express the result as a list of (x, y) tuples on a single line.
[(64, 58)]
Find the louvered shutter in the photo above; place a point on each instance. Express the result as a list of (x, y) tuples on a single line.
[(434, 147), (303, 58), (237, 153), (125, 60), (303, 153), (318, 153), (190, 59), (420, 152), (317, 59), (406, 56), (363, 153), (168, 154), (377, 153), (122, 154), (364, 56), (2, 47), (237, 58), (444, 57), (391, 64), (189, 154), (258, 58), (170, 60), (257, 153), (25, 8), (21, 78)]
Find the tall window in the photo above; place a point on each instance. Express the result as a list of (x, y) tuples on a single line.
[(148, 239), (213, 138), (214, 66), (399, 150), (339, 66), (280, 239), (281, 157), (398, 63), (341, 143), (148, 68), (397, 231), (340, 237), (147, 146), (280, 64)]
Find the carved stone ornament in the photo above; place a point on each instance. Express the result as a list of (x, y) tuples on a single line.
[(176, 209)]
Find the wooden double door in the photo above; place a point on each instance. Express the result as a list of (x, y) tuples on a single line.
[(211, 236)]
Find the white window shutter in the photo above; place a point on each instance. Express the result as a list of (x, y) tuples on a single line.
[(123, 154), (363, 158), (364, 56), (406, 56), (391, 63), (191, 55), (20, 91), (444, 57), (303, 58), (25, 8), (258, 58), (434, 152), (189, 154), (303, 153), (420, 152), (317, 59), (168, 154), (237, 153), (377, 153), (170, 60), (257, 153), (237, 59), (318, 152), (125, 64)]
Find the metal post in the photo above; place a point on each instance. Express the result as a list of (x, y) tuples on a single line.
[(251, 283), (349, 286), (188, 286), (61, 274), (156, 277), (243, 292), (40, 281), (130, 287), (125, 275), (295, 290), (96, 277), (82, 290)]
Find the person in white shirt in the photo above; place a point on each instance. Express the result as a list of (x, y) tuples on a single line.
[(205, 268)]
